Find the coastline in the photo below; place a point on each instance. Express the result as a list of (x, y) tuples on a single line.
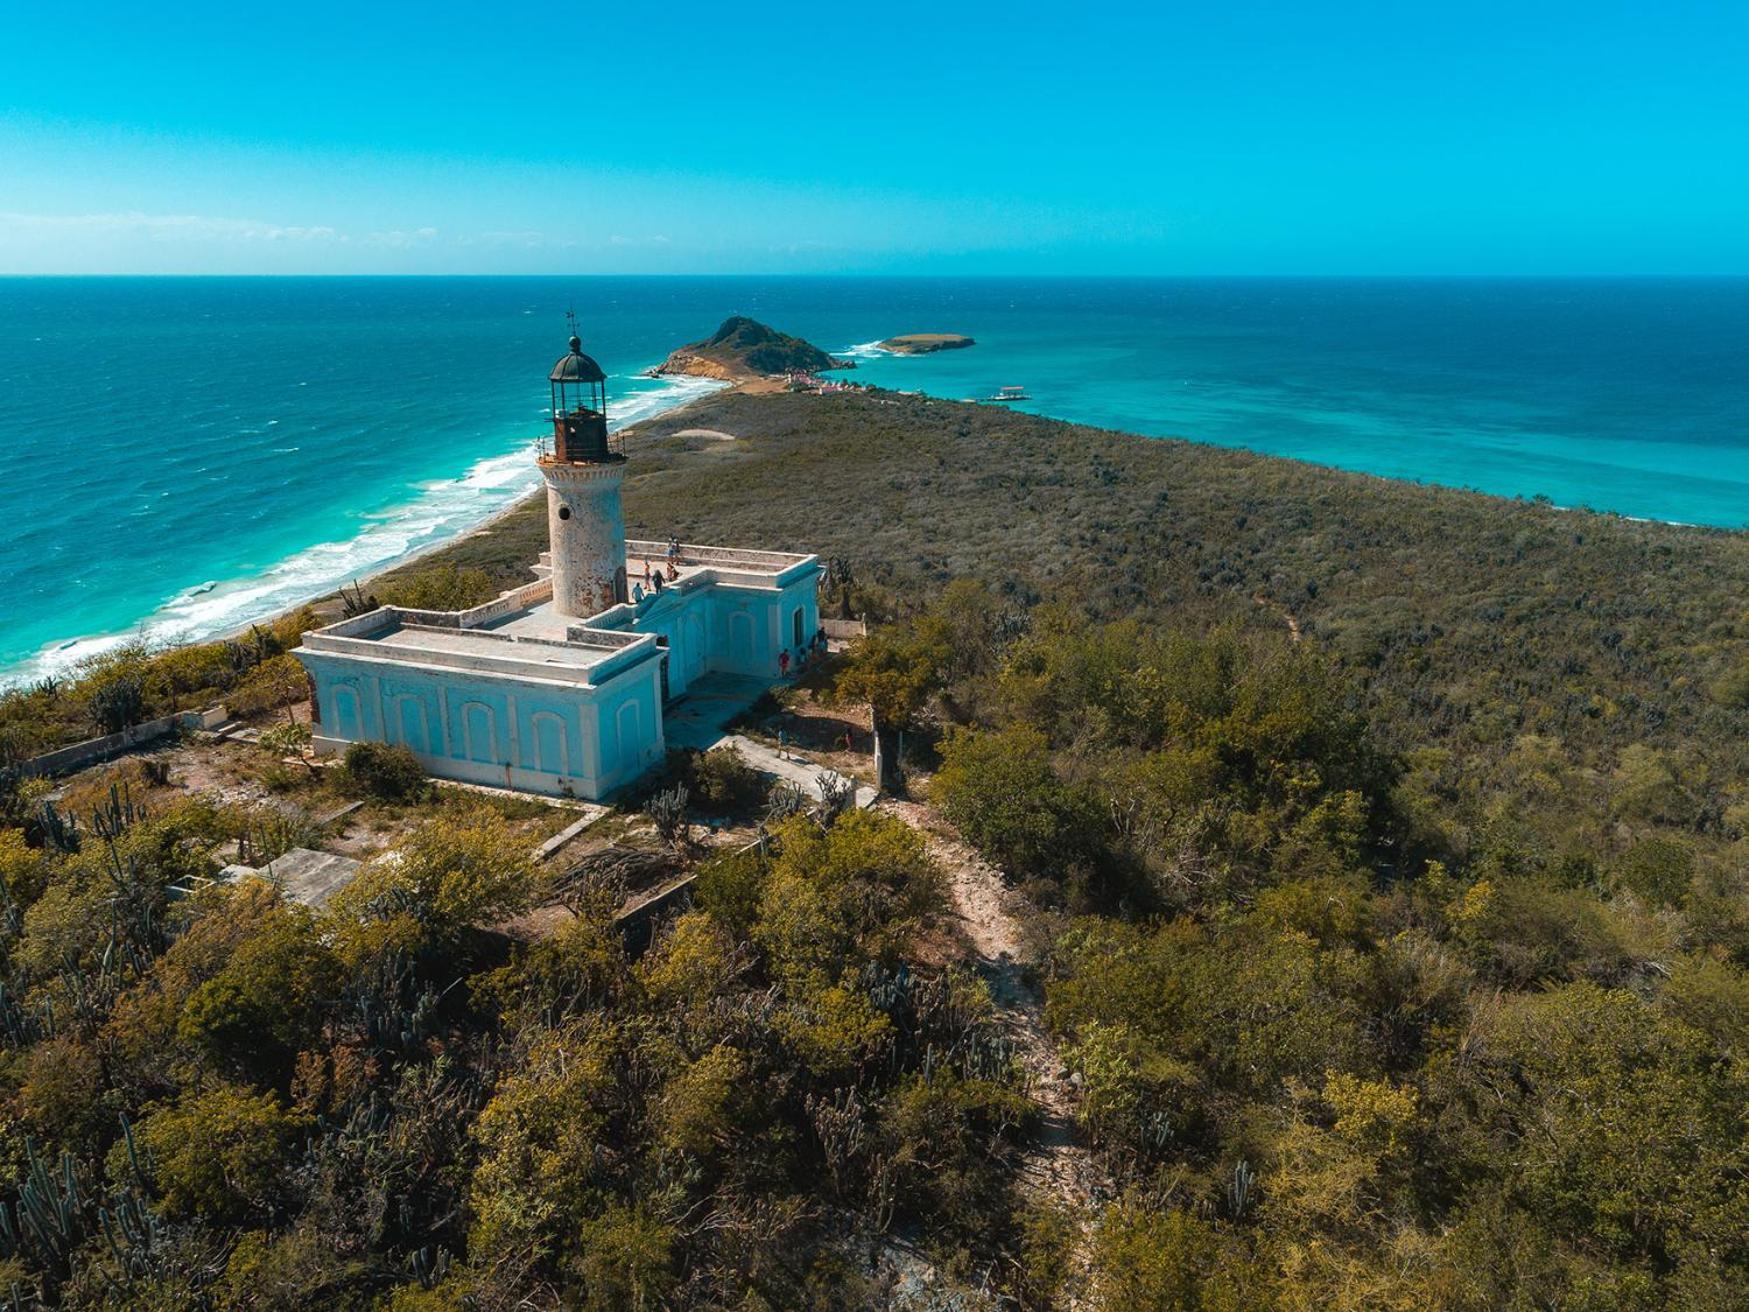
[(1473, 385), (65, 655), (485, 527), (709, 392)]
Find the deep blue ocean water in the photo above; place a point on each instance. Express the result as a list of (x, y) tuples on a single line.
[(184, 455)]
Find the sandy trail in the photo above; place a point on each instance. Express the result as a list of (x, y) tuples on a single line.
[(1056, 1163)]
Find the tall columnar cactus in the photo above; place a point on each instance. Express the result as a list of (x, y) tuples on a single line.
[(115, 817), (840, 1123), (11, 915), (1241, 1190), (667, 811), (429, 1268), (135, 901), (61, 832), (47, 1221)]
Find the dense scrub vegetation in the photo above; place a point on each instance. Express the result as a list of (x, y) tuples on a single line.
[(213, 1098), (1342, 1041), (1390, 838), (135, 682)]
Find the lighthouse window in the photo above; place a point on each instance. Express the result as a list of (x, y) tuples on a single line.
[(564, 512)]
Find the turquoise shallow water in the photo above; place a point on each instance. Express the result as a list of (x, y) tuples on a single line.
[(183, 455)]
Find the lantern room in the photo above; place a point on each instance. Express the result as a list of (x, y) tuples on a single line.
[(579, 391)]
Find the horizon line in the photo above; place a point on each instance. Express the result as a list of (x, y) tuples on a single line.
[(888, 274)]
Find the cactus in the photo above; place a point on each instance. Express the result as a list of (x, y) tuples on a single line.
[(356, 602), (1241, 1190), (429, 1269), (839, 1123), (118, 815), (17, 1027), (47, 1222), (266, 835), (61, 832), (667, 811), (837, 796), (132, 1232), (785, 799), (119, 703), (396, 1013), (11, 914)]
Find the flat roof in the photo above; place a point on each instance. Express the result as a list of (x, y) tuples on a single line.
[(537, 621), (735, 560), (492, 642), (520, 635)]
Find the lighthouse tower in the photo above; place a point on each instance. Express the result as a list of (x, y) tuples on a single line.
[(585, 524)]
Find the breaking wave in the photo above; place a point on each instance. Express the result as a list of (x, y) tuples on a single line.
[(436, 512)]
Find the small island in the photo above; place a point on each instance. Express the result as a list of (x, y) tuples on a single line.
[(743, 350), (926, 343)]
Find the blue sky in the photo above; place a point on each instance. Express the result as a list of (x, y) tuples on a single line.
[(1239, 137)]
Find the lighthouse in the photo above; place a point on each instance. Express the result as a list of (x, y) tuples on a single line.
[(585, 524)]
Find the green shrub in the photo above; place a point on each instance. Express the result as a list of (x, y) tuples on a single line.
[(1659, 870), (723, 779), (441, 587), (729, 888), (118, 703), (1001, 792), (220, 1155), (276, 682), (390, 773)]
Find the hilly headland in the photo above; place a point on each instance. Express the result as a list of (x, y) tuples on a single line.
[(742, 350)]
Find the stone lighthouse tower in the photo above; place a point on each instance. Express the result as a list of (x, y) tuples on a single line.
[(585, 524)]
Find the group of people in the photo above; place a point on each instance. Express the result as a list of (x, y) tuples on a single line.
[(659, 576), (799, 660)]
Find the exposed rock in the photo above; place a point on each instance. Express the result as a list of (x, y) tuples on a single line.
[(925, 343), (744, 349)]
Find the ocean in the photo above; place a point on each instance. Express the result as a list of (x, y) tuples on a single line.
[(184, 455)]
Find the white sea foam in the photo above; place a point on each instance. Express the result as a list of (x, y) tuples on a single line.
[(864, 351), (437, 511)]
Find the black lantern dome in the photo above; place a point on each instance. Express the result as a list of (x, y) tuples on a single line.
[(575, 367), (580, 409)]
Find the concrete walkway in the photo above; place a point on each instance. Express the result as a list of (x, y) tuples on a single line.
[(700, 721), (793, 766)]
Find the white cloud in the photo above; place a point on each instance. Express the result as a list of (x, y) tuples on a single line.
[(656, 239), (166, 227), (401, 239)]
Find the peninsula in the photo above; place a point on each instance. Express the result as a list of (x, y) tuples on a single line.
[(1357, 822), (743, 350), (926, 343)]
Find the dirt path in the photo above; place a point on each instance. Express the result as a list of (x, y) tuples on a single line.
[(1287, 616), (1056, 1163)]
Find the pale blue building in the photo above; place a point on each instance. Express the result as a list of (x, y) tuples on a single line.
[(560, 686)]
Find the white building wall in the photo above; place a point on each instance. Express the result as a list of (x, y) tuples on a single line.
[(503, 732)]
